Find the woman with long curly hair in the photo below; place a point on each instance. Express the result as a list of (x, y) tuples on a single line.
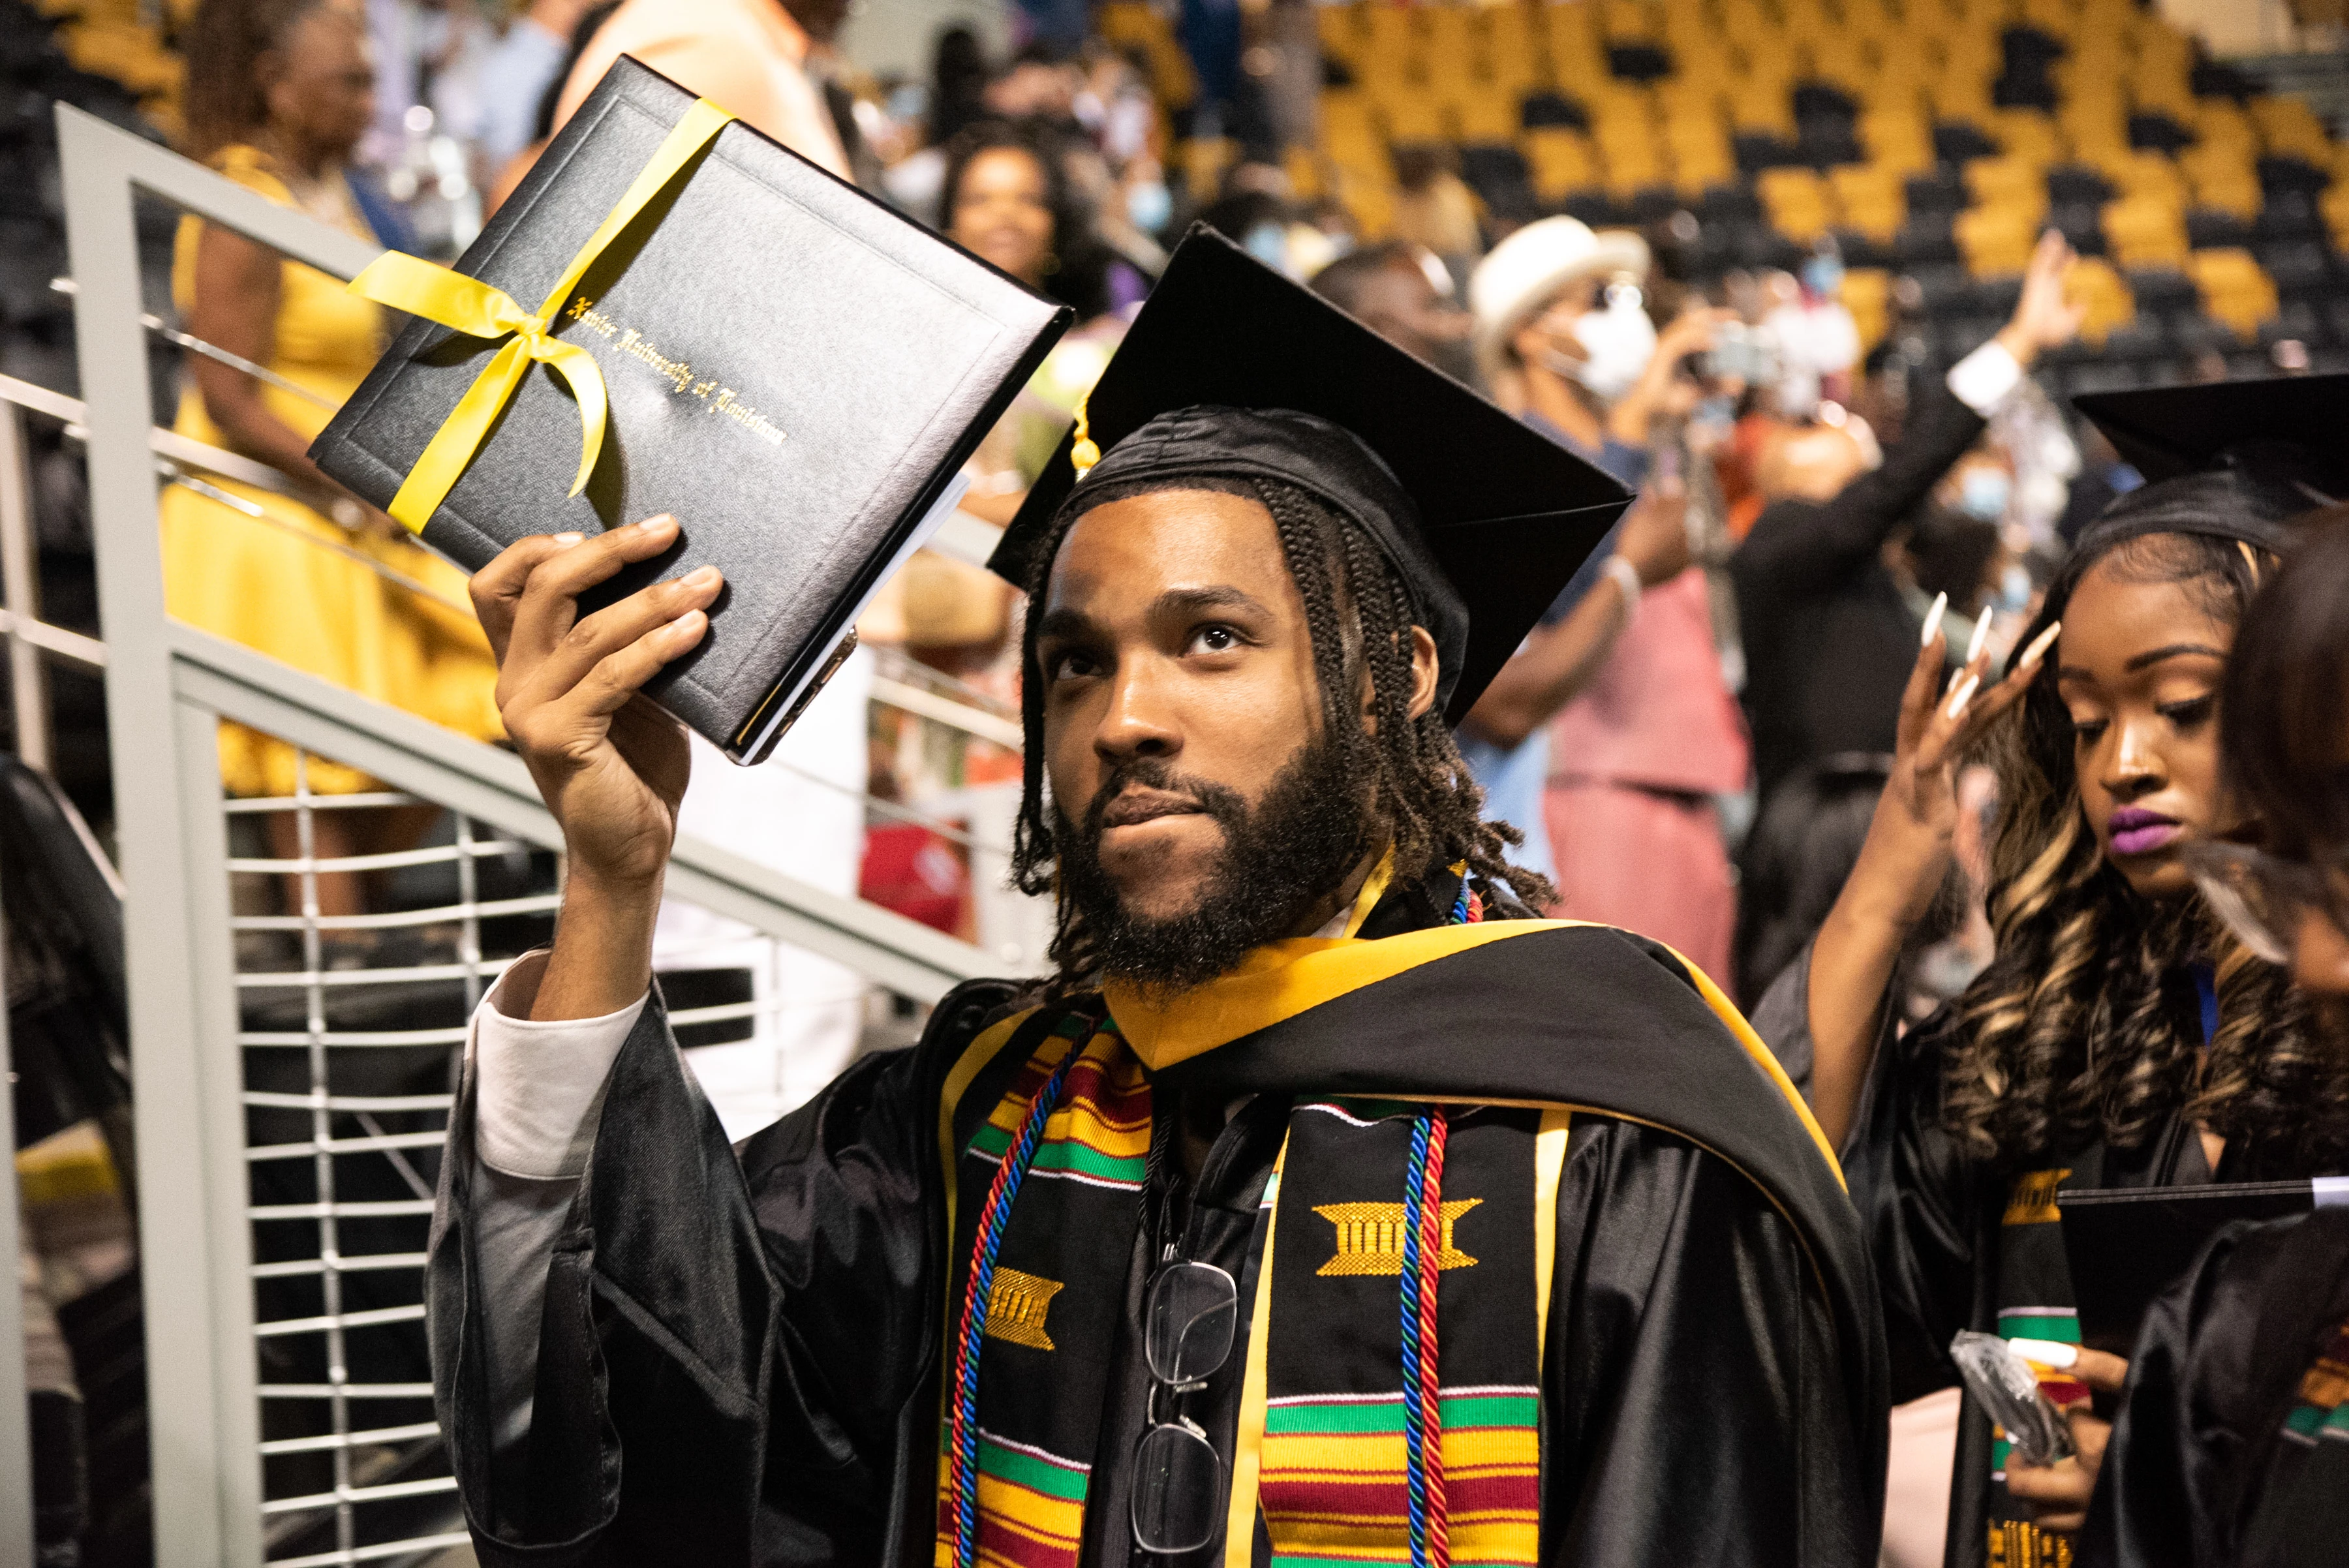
[(2121, 1036), (2226, 1453)]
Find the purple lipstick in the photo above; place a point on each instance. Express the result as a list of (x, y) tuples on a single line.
[(2136, 831)]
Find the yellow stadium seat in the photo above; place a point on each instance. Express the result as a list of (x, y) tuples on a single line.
[(2092, 282), (2010, 185), (2028, 134), (2288, 126), (2235, 288), (1560, 160), (1486, 116), (1867, 293), (1414, 116), (1873, 197), (1346, 111), (1995, 241), (1796, 203), (2145, 231), (1340, 29), (2144, 172)]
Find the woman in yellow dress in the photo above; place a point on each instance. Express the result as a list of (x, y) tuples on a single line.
[(279, 92)]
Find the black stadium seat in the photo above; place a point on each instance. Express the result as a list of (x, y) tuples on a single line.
[(2161, 288), (2300, 267), (1942, 190), (2208, 228)]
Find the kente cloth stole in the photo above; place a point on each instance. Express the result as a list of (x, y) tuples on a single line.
[(2034, 1302), (1030, 1424), (1330, 1416), (2302, 1510), (2322, 1410), (1332, 1481)]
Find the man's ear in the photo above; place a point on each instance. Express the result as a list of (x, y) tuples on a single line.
[(1422, 671)]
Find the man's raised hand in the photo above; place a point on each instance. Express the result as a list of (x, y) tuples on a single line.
[(610, 766)]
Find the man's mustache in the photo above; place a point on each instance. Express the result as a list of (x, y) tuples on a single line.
[(1219, 801)]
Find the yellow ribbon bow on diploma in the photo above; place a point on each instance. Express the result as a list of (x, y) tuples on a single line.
[(472, 307)]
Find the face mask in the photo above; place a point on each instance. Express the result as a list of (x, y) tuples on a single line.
[(1617, 342), (1148, 206), (2014, 588), (1983, 492), (1823, 275)]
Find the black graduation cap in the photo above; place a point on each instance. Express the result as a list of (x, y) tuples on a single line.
[(2288, 430), (1485, 518)]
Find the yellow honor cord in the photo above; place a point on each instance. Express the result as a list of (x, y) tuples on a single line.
[(473, 307)]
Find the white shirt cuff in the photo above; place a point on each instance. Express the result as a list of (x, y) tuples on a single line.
[(539, 1086), (1982, 378)]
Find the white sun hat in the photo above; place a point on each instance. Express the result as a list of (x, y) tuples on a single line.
[(1524, 272)]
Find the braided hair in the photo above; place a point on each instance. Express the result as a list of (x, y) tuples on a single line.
[(1359, 617)]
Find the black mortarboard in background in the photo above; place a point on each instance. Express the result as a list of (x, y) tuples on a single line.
[(1485, 518), (2264, 451)]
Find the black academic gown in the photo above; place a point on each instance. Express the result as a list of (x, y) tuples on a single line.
[(2207, 1467), (739, 1361), (1957, 1244)]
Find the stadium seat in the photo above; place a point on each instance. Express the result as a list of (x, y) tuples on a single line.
[(2234, 288), (2296, 320), (2145, 231), (2290, 215), (2207, 228), (2299, 269)]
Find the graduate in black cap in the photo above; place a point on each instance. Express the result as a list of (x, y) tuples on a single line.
[(2121, 1036), (1319, 1207)]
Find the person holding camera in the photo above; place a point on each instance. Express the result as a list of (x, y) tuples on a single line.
[(1631, 720)]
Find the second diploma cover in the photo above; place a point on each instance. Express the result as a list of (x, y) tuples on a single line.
[(794, 371)]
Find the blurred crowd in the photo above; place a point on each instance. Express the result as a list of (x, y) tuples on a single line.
[(1690, 743)]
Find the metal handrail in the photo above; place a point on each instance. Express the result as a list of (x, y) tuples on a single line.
[(169, 686)]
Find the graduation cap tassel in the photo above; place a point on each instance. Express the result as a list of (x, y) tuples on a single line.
[(1083, 454)]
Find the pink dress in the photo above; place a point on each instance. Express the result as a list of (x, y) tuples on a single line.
[(1634, 762)]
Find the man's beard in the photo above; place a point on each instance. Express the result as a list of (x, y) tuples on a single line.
[(1278, 860)]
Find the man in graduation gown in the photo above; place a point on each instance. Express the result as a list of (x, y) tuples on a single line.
[(1320, 1208)]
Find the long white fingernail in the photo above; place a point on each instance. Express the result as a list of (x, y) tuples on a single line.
[(2039, 647), (2052, 1353), (1965, 694), (1980, 636), (1932, 620)]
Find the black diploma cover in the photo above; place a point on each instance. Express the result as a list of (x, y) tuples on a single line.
[(2127, 1245), (795, 371)]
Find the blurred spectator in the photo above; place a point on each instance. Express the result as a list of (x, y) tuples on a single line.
[(1637, 756), (1039, 84), (279, 94), (1402, 292), (1830, 633), (957, 83), (749, 54), (1817, 342), (517, 72), (1007, 201), (1588, 369), (1434, 206)]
